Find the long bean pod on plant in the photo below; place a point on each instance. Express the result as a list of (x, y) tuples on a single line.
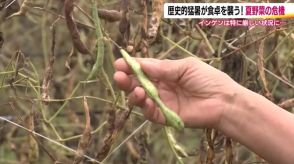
[(98, 66), (172, 119), (73, 30)]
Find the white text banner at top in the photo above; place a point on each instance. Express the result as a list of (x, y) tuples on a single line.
[(229, 10)]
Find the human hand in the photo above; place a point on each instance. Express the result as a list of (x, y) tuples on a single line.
[(197, 92)]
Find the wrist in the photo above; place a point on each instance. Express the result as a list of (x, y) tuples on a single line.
[(260, 125), (234, 98)]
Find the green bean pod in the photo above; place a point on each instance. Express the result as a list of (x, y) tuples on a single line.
[(172, 119)]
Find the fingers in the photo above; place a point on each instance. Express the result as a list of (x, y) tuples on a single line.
[(125, 82), (156, 69), (152, 112), (121, 65), (123, 76), (139, 98), (167, 70)]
